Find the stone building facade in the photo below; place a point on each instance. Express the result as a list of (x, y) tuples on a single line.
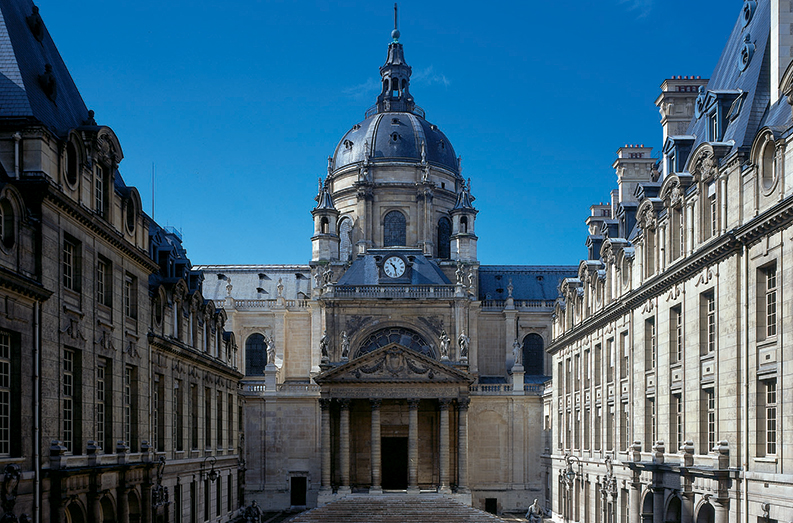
[(90, 289), (393, 361), (671, 381)]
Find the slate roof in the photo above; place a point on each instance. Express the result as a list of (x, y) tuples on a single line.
[(364, 271), (529, 282), (22, 60), (754, 81)]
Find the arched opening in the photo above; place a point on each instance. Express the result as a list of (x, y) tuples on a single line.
[(395, 87), (131, 215), (324, 225), (71, 164), (7, 225), (647, 508), (134, 507), (255, 355), (767, 165), (533, 355), (444, 238), (673, 511), (394, 229), (707, 514), (464, 224), (399, 335), (108, 512), (345, 239), (74, 514)]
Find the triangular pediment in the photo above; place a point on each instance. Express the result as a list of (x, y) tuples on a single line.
[(394, 364)]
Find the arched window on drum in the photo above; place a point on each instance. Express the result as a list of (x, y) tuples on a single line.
[(444, 238), (255, 355), (394, 229), (534, 355)]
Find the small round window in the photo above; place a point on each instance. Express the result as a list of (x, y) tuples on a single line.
[(72, 164), (131, 215)]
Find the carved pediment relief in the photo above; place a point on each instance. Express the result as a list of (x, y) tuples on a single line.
[(393, 363)]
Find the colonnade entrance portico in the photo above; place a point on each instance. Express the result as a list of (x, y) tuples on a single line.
[(394, 420)]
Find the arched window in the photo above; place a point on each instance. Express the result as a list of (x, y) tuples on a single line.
[(706, 514), (464, 224), (255, 355), (345, 237), (131, 215), (324, 226), (71, 164), (673, 511), (444, 238), (394, 226), (7, 228), (533, 355), (404, 337), (767, 165)]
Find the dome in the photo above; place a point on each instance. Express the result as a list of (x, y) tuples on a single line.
[(395, 136)]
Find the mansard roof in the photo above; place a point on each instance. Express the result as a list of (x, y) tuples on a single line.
[(35, 84), (529, 282), (364, 270), (731, 76)]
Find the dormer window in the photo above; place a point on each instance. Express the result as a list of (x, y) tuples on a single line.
[(101, 190)]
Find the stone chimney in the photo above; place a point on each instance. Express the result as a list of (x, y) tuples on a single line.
[(633, 165), (676, 104), (781, 42)]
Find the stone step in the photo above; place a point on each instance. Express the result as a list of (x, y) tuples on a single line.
[(399, 508)]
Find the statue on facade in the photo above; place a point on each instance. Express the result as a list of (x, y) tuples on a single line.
[(270, 350), (253, 514), (535, 512), (444, 345), (463, 342), (471, 281), (317, 278), (460, 273), (345, 345), (517, 352), (323, 345), (280, 287)]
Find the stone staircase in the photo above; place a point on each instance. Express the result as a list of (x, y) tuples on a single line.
[(395, 508)]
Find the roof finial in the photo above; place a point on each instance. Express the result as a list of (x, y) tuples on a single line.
[(395, 32)]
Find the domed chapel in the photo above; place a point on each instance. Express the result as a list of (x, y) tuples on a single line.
[(394, 360)]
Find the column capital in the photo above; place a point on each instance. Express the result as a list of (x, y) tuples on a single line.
[(324, 403), (375, 402), (463, 403), (413, 403), (444, 403), (344, 403)]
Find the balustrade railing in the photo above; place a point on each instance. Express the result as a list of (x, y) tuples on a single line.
[(395, 291)]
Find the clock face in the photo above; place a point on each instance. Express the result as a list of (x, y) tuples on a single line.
[(394, 267)]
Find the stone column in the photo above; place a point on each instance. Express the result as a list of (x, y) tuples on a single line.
[(413, 445), (123, 505), (344, 446), (722, 510), (462, 444), (145, 509), (324, 405), (658, 501), (96, 508), (444, 446), (375, 446), (635, 514)]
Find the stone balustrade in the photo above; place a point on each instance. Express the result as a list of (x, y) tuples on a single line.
[(392, 291)]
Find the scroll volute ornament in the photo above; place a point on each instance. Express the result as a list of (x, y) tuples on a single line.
[(705, 167)]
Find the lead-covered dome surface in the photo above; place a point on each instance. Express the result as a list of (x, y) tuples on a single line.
[(395, 136)]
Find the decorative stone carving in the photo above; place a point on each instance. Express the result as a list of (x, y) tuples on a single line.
[(345, 345), (463, 341), (323, 346), (517, 351), (444, 345)]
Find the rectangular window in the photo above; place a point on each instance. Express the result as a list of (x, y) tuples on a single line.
[(625, 367), (101, 399), (649, 343), (5, 394), (676, 422), (71, 400), (650, 427), (767, 302), (610, 428), (104, 282), (624, 417), (229, 496), (708, 420), (577, 430), (676, 334), (207, 497), (598, 362), (99, 190), (230, 434), (194, 416), (219, 497), (587, 368), (177, 502), (207, 418), (130, 413), (708, 322), (71, 264), (178, 415), (577, 371), (767, 414), (159, 412), (598, 426), (219, 423), (611, 360), (587, 415), (131, 296)]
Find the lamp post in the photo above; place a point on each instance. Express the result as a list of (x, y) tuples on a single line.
[(569, 476), (212, 475)]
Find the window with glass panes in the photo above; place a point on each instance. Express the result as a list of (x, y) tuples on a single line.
[(128, 405), (68, 399), (5, 394), (710, 398), (69, 264), (101, 398), (770, 301), (770, 417)]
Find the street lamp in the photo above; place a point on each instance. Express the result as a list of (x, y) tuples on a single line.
[(213, 475), (568, 476)]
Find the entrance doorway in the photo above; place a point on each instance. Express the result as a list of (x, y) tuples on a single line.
[(298, 491), (395, 463)]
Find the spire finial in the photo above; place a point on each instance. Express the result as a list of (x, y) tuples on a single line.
[(395, 32)]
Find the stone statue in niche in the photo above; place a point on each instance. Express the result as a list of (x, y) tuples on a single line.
[(463, 341), (345, 345), (323, 346), (270, 350)]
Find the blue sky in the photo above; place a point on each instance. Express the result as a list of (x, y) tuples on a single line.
[(239, 103)]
